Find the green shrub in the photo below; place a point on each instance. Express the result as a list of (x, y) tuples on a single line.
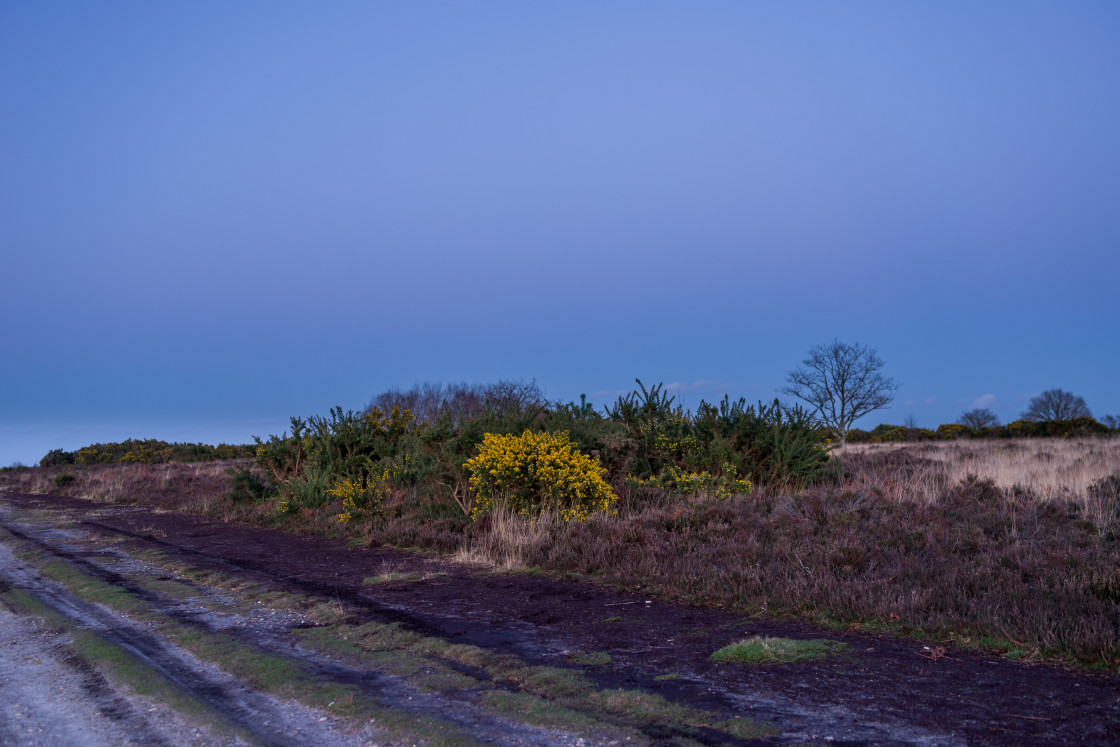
[(57, 458), (889, 433), (771, 445), (333, 453), (309, 491), (674, 480), (858, 436), (147, 451), (63, 479), (1023, 429), (247, 487), (1075, 428), (658, 432), (782, 447), (361, 498)]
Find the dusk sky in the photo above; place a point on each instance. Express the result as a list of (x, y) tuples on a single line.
[(214, 216)]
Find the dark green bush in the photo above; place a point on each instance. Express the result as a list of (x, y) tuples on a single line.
[(63, 479), (767, 445), (248, 487), (1076, 428), (858, 436), (889, 433), (148, 451), (953, 430)]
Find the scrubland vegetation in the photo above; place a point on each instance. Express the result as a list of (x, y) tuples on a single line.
[(1072, 428), (1007, 543), (506, 446), (148, 451)]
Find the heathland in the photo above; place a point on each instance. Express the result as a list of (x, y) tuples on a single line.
[(1007, 544)]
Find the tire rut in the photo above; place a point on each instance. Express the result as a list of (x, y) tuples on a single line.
[(235, 701), (525, 641)]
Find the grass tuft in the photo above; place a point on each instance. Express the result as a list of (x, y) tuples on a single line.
[(765, 650), (594, 659)]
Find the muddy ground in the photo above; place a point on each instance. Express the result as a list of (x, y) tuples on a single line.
[(882, 690)]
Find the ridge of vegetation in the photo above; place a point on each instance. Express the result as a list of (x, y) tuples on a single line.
[(146, 451), (1009, 544)]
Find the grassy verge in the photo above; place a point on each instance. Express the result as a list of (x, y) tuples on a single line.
[(546, 696)]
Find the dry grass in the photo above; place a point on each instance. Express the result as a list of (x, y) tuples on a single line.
[(1049, 469), (191, 487), (508, 540)]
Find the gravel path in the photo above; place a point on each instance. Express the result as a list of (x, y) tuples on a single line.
[(51, 695), (44, 700)]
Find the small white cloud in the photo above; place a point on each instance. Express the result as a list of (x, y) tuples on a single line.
[(929, 400), (984, 401)]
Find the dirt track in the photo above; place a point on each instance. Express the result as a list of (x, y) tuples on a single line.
[(883, 691)]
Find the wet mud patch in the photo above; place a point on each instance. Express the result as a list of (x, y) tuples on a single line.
[(882, 691)]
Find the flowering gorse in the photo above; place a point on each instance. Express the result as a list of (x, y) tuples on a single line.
[(535, 471), (391, 425), (675, 480), (361, 497)]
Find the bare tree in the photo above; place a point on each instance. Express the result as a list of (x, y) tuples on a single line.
[(1112, 421), (515, 397), (1056, 404), (842, 383), (463, 401), (427, 400), (979, 418)]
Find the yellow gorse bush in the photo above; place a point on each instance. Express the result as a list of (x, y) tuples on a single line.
[(535, 471), (361, 497)]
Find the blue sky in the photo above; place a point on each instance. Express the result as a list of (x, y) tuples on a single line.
[(214, 216)]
